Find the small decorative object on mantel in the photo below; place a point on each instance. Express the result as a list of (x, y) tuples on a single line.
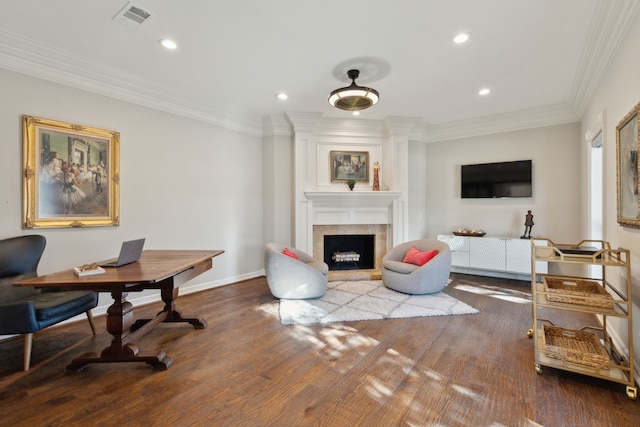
[(376, 176), (351, 183), (528, 225), (469, 232)]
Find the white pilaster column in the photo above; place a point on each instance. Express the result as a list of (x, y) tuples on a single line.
[(304, 172), (399, 129)]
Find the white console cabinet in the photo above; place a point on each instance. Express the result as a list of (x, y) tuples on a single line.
[(492, 256)]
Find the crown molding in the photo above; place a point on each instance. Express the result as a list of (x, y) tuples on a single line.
[(303, 121), (610, 23), (505, 122), (348, 127), (37, 60), (332, 126), (276, 125), (401, 126)]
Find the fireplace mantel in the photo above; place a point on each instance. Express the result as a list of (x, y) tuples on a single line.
[(352, 198), (350, 207)]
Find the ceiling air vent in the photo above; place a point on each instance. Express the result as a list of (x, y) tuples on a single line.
[(132, 16)]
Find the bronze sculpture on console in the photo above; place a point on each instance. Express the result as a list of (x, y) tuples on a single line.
[(528, 225)]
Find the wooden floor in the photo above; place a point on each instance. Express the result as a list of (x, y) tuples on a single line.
[(246, 369)]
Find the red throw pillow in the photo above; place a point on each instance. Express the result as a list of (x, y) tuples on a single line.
[(287, 252), (414, 256)]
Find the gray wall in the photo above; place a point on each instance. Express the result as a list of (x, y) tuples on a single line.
[(617, 94), (184, 184), (555, 152)]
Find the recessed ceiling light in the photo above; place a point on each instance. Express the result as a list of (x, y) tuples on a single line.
[(461, 38), (356, 113), (282, 96), (484, 91), (168, 44)]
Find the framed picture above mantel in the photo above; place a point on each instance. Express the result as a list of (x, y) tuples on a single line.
[(346, 165), (627, 172), (71, 175)]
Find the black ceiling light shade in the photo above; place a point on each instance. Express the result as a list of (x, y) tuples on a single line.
[(353, 97)]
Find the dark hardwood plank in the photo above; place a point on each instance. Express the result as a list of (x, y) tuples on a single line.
[(246, 369)]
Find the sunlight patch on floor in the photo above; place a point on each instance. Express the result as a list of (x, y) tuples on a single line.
[(376, 389), (395, 377), (270, 309), (465, 391), (342, 345), (509, 295)]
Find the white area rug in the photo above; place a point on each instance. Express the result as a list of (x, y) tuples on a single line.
[(367, 300)]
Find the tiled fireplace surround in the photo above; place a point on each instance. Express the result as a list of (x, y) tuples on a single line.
[(378, 230)]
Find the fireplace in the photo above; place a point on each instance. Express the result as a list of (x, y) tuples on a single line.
[(349, 251), (378, 247)]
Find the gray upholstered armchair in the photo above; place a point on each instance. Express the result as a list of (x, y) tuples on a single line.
[(290, 278), (413, 279), (25, 310)]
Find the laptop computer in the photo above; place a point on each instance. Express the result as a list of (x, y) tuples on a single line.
[(130, 252)]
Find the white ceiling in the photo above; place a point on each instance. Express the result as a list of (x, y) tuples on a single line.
[(540, 58)]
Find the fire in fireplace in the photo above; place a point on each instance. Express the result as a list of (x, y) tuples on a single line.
[(350, 251)]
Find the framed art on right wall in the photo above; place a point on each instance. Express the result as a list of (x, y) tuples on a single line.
[(627, 144)]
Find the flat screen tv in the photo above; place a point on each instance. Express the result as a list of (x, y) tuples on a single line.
[(496, 180)]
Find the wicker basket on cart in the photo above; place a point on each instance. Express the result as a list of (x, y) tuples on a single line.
[(582, 292), (574, 346)]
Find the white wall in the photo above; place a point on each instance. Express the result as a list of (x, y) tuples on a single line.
[(418, 178), (184, 184), (617, 94), (278, 191), (555, 204)]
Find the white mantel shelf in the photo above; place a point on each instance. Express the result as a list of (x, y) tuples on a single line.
[(352, 198)]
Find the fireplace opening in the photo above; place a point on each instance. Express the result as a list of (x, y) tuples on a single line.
[(350, 251)]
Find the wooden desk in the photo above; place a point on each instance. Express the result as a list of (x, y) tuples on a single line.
[(157, 269)]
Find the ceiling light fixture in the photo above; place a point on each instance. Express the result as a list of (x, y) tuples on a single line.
[(168, 44), (353, 97), (282, 96), (484, 91), (461, 38)]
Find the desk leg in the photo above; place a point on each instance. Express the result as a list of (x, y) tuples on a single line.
[(119, 323), (169, 296)]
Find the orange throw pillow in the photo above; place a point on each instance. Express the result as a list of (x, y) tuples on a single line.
[(414, 256), (287, 252)]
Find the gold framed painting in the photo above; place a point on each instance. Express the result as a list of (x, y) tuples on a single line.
[(627, 145), (346, 165), (71, 175)]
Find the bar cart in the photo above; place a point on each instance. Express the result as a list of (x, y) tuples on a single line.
[(588, 350)]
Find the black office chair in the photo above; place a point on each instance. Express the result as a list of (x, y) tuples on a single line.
[(25, 310)]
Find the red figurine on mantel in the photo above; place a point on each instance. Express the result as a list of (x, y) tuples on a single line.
[(376, 176)]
